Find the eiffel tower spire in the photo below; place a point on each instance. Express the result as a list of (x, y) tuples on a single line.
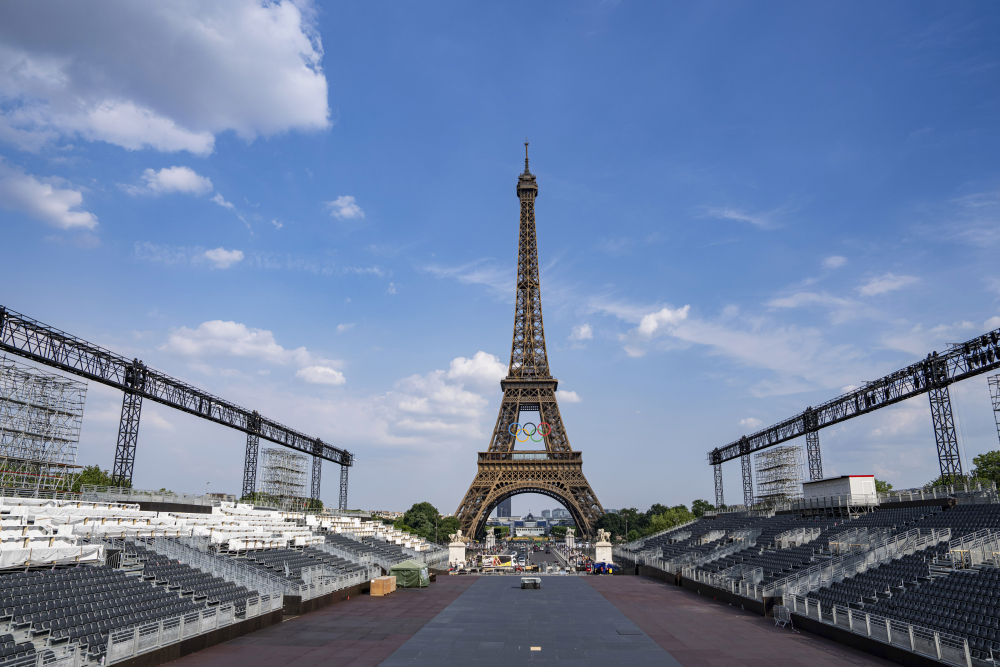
[(553, 469), (528, 358)]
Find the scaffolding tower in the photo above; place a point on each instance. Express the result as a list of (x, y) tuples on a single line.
[(779, 474), (40, 418), (286, 473)]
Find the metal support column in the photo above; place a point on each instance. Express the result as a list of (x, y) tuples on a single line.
[(250, 462), (317, 471), (949, 459), (128, 426), (720, 500), (814, 456), (994, 382), (747, 473), (342, 505)]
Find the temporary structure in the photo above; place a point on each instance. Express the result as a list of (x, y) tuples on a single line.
[(410, 574)]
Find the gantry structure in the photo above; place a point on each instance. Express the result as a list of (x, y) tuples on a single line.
[(932, 376), (31, 339), (529, 389)]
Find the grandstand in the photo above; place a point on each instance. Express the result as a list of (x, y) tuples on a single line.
[(921, 575), (99, 582)]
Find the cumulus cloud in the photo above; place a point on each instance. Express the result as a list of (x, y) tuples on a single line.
[(581, 332), (345, 207), (167, 76), (834, 262), (217, 198), (887, 282), (43, 200), (566, 396), (222, 258), (483, 369), (218, 338), (168, 180), (321, 375), (651, 323), (751, 422)]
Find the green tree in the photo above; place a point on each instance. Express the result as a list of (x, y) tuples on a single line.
[(882, 486), (94, 475), (558, 531), (446, 526), (699, 507), (987, 466)]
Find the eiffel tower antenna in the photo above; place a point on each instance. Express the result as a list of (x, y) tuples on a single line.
[(555, 470)]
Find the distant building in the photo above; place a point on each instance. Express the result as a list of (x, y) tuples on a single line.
[(546, 514), (560, 513), (503, 509)]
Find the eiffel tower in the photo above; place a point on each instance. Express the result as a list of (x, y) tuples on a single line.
[(557, 470)]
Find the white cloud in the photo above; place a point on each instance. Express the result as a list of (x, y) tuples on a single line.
[(345, 207), (751, 422), (834, 262), (663, 318), (219, 338), (566, 396), (582, 332), (483, 369), (169, 180), (44, 201), (919, 341), (344, 326), (759, 220), (221, 201), (167, 76), (222, 258), (277, 224), (992, 323), (887, 282), (321, 375), (499, 280), (840, 309), (391, 289)]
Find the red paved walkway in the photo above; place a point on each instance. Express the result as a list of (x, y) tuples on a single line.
[(701, 633), (360, 631)]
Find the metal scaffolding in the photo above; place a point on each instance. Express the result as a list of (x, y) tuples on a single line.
[(815, 456), (40, 418), (720, 500), (285, 473), (779, 473)]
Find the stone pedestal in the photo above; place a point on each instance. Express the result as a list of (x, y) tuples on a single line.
[(456, 553), (491, 541), (602, 552)]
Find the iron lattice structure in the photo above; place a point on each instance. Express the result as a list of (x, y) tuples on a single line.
[(284, 474), (31, 339), (814, 455), (40, 418), (720, 499), (342, 503), (557, 470), (994, 384), (779, 474), (932, 376), (747, 466)]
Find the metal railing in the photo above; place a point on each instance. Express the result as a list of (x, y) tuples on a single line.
[(938, 492), (949, 649), (223, 567), (63, 656), (123, 494), (977, 548), (129, 642), (839, 568)]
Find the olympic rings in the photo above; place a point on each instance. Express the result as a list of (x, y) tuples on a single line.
[(517, 430)]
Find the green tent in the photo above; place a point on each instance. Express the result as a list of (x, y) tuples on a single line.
[(410, 574)]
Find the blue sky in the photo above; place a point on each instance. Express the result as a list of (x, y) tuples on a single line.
[(310, 210)]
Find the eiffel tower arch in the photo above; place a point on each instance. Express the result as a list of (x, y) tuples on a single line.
[(529, 390)]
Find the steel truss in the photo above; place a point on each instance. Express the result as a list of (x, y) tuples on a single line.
[(974, 357), (945, 436), (317, 473), (720, 499), (250, 461), (342, 504), (814, 455), (39, 342), (994, 384), (556, 470), (747, 480)]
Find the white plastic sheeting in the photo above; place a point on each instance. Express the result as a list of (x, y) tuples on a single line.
[(51, 555)]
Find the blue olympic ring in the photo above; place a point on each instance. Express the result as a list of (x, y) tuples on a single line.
[(517, 430)]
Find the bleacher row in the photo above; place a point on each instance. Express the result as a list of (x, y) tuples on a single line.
[(61, 592), (929, 588)]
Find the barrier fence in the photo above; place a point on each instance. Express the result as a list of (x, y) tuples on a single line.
[(129, 642), (949, 649)]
